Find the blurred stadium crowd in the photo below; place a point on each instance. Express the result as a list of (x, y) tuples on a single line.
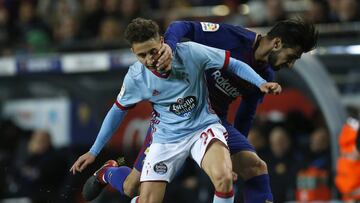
[(42, 26), (296, 147)]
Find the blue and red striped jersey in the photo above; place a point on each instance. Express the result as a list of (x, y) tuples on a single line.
[(224, 87)]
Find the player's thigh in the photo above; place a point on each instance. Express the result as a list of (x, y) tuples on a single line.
[(243, 154), (236, 141), (152, 192), (216, 162), (210, 151)]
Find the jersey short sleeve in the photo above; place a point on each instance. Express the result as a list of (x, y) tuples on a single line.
[(129, 94), (209, 57)]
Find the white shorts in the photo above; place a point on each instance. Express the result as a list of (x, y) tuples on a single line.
[(164, 160)]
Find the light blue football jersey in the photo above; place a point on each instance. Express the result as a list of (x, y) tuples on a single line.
[(180, 101)]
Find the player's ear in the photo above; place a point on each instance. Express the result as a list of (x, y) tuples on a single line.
[(277, 43)]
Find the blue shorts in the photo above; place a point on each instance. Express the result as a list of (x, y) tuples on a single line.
[(237, 142)]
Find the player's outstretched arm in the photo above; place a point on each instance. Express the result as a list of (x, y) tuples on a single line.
[(178, 30), (82, 162), (110, 124), (245, 72)]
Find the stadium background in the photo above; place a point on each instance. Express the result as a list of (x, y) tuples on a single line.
[(63, 61)]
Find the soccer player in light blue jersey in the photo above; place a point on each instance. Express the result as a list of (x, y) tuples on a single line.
[(285, 42), (183, 122)]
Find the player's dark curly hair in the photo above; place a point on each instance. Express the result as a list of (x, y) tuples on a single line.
[(295, 33), (141, 30)]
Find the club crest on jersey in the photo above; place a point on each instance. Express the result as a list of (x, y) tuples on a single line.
[(184, 106), (160, 168), (209, 27)]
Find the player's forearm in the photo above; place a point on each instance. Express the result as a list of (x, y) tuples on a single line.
[(245, 72), (111, 122), (176, 31)]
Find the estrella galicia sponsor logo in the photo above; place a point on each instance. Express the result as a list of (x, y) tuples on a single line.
[(224, 85), (160, 168), (184, 106)]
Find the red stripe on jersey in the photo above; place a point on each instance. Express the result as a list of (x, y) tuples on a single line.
[(123, 107), (165, 75), (227, 59)]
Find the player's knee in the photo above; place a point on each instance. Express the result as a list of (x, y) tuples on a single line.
[(132, 184), (222, 180), (130, 190), (259, 167), (256, 167), (143, 199), (262, 167), (149, 198)]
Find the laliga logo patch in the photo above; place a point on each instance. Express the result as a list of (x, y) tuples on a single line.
[(184, 106), (209, 27), (160, 168)]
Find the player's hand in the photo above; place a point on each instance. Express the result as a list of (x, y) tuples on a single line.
[(164, 62), (271, 88), (82, 162)]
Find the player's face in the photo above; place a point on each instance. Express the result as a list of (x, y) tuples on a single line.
[(284, 58), (147, 52)]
